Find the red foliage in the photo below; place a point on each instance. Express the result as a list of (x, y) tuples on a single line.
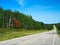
[(16, 23)]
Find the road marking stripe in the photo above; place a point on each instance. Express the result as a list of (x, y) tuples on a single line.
[(53, 43)]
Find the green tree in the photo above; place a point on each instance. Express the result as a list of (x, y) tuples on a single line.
[(8, 17), (1, 17)]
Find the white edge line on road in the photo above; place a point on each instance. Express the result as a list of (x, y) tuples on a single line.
[(53, 43)]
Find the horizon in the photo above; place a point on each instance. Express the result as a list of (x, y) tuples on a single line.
[(46, 11)]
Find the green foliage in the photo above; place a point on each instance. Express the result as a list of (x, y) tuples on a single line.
[(26, 21), (9, 33), (58, 32), (48, 26), (58, 26)]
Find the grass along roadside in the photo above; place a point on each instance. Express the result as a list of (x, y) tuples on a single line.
[(58, 32), (8, 33)]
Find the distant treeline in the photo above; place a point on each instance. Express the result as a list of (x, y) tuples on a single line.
[(15, 19), (58, 26)]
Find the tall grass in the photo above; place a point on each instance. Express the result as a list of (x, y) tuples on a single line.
[(58, 31), (9, 33)]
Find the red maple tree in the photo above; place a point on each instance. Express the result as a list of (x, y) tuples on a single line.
[(16, 23)]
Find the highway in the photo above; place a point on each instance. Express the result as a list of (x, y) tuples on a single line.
[(45, 38)]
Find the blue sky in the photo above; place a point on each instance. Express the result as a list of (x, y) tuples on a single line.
[(46, 11)]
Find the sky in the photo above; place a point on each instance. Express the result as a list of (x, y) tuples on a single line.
[(46, 11)]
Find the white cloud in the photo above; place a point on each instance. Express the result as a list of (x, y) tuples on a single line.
[(21, 2)]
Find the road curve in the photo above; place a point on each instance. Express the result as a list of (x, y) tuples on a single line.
[(46, 38)]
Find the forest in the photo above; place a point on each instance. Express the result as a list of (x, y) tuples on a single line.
[(15, 24), (58, 26), (16, 19)]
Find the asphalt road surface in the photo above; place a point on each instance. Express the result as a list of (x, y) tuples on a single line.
[(46, 38)]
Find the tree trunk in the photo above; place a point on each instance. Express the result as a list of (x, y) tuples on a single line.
[(9, 21), (3, 22)]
